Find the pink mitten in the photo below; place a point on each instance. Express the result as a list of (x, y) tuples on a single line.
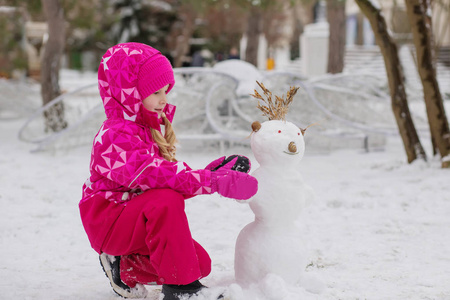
[(233, 184), (215, 163)]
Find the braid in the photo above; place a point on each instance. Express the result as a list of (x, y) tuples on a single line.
[(166, 143)]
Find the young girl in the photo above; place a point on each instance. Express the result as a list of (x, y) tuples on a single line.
[(133, 203)]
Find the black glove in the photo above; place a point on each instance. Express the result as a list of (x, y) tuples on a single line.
[(241, 164)]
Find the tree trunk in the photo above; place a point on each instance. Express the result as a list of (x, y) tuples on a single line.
[(254, 30), (54, 116), (336, 46), (359, 29), (297, 31), (181, 34), (394, 70), (423, 41), (305, 12)]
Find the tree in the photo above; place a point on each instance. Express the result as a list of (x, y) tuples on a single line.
[(336, 46), (142, 21), (223, 26), (423, 40), (279, 24), (394, 70), (12, 56), (54, 48), (190, 13), (303, 14), (253, 31), (255, 24), (441, 10), (182, 31)]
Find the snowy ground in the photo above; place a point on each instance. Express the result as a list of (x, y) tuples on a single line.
[(380, 229)]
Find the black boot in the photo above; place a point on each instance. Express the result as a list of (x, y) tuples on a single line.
[(111, 267), (176, 292)]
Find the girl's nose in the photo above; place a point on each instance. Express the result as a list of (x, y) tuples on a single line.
[(163, 99)]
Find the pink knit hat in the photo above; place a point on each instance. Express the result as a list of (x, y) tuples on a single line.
[(154, 74)]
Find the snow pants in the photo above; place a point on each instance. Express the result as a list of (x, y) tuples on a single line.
[(151, 234)]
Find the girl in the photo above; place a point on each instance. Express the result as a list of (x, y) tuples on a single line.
[(133, 203)]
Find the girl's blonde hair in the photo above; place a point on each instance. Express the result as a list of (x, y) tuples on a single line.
[(166, 143)]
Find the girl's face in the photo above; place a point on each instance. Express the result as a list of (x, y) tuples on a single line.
[(156, 101)]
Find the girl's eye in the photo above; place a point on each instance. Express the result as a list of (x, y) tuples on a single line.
[(279, 131)]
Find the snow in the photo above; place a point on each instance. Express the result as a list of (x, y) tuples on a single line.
[(375, 4), (245, 72), (7, 9), (378, 229)]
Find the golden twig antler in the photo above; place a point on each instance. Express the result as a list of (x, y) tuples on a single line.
[(274, 110)]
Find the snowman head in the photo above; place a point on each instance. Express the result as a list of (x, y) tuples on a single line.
[(277, 143)]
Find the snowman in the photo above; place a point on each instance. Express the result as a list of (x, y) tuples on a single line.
[(273, 244)]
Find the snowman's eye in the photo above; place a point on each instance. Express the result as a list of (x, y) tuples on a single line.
[(279, 131)]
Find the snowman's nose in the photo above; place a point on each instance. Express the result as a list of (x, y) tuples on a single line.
[(292, 147)]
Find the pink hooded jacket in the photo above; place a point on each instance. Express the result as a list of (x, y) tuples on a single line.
[(125, 161)]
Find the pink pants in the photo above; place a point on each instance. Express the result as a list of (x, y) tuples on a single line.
[(152, 236)]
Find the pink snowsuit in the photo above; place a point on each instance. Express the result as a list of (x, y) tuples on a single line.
[(133, 202)]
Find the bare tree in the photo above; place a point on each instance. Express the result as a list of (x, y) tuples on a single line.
[(53, 51), (441, 10), (181, 33), (260, 12), (336, 46), (423, 39), (225, 25), (254, 30), (394, 70)]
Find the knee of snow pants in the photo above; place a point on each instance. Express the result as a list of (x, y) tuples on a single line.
[(98, 216), (154, 224)]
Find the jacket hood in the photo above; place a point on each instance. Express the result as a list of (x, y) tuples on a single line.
[(118, 79)]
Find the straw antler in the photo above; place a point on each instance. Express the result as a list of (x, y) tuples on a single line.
[(274, 110)]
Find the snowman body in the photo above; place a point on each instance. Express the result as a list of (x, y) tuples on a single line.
[(273, 243)]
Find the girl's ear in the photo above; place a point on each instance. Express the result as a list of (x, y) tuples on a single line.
[(256, 126)]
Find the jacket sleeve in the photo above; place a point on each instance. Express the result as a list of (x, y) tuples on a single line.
[(124, 158)]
